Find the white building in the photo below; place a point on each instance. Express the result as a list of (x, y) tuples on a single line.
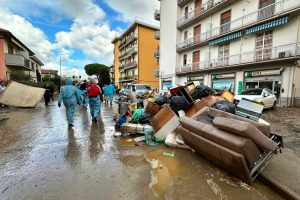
[(237, 44)]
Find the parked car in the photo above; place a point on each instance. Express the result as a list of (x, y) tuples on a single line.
[(264, 96), (139, 88)]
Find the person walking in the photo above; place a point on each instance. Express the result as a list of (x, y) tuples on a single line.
[(47, 94), (94, 92), (70, 96), (83, 91), (110, 89)]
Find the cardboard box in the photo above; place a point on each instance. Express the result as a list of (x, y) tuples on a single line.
[(164, 122), (199, 104)]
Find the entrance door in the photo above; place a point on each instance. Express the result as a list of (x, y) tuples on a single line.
[(196, 60), (197, 32), (198, 7)]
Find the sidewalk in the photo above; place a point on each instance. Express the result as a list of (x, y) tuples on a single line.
[(283, 171)]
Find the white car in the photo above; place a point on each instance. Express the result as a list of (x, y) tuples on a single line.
[(139, 88), (264, 96)]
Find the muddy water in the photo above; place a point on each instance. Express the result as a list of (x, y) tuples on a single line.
[(50, 161)]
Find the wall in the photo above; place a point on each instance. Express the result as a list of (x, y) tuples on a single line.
[(168, 32), (2, 61), (116, 63), (147, 45)]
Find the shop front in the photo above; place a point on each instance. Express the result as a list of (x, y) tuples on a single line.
[(270, 79), (197, 80), (166, 83), (223, 81)]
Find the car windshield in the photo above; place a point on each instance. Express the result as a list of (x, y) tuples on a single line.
[(256, 91), (143, 87)]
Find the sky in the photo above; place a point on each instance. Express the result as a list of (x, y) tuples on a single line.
[(77, 32)]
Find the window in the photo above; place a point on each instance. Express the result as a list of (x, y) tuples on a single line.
[(223, 54), (257, 91), (184, 59), (267, 8), (264, 46), (186, 11), (225, 19), (10, 49), (185, 35)]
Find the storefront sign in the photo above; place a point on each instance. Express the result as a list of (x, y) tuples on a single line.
[(222, 76), (263, 73), (195, 78)]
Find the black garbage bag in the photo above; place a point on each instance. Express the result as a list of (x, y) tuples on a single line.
[(225, 106), (145, 118), (201, 91), (178, 103), (161, 100)]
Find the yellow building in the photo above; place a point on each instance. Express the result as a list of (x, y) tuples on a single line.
[(136, 55)]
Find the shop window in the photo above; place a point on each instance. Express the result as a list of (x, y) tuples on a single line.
[(225, 19), (184, 59), (264, 46), (223, 54)]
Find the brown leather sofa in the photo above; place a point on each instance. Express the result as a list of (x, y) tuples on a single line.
[(232, 152)]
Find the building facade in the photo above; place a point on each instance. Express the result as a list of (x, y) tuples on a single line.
[(17, 59), (135, 55), (235, 44), (112, 74), (49, 73)]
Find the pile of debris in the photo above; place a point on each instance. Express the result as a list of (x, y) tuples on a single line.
[(233, 137)]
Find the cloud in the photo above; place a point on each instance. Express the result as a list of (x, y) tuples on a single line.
[(31, 36), (128, 10)]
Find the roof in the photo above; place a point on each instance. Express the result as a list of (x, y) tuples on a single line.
[(10, 35), (49, 71), (138, 21), (37, 60)]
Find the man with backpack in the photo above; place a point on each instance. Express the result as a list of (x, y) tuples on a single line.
[(94, 92)]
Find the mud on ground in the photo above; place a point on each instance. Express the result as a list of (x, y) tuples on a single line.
[(286, 122)]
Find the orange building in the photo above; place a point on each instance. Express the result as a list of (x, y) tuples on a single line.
[(136, 54)]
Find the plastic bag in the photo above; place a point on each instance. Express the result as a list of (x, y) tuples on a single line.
[(120, 121), (201, 91), (178, 103), (160, 100), (137, 115), (145, 118), (225, 106)]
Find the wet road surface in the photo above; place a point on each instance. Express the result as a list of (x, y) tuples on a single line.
[(51, 161)]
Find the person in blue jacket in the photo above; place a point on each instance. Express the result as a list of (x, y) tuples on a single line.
[(70, 96), (110, 90)]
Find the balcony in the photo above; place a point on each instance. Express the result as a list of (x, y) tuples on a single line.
[(289, 52), (17, 61), (129, 65), (283, 7), (206, 9), (128, 40), (128, 78), (157, 35), (157, 54), (182, 2), (128, 53), (157, 14)]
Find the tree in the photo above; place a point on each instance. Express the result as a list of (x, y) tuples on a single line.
[(100, 71)]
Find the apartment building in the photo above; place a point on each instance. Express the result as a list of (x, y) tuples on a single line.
[(135, 54), (236, 44), (16, 58), (112, 74), (49, 73)]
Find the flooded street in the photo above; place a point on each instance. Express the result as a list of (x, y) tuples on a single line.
[(47, 160)]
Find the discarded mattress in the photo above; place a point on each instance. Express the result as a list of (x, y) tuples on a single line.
[(240, 153), (20, 95)]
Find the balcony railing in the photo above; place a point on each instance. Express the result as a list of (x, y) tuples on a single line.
[(278, 53), (157, 14), (156, 54), (198, 11), (272, 10), (128, 53), (129, 65), (17, 60), (128, 40), (182, 2), (128, 78), (157, 35)]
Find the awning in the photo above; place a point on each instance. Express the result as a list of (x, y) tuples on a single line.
[(267, 25), (226, 38)]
